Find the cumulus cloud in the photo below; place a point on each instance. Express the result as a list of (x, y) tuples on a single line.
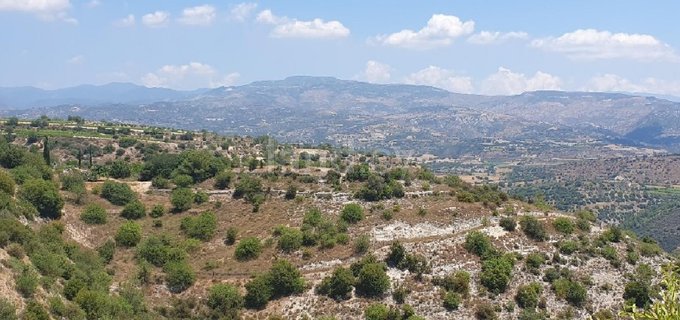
[(156, 19), (128, 21), (440, 31), (441, 78), (198, 16), (242, 11), (93, 4), (506, 82), (615, 83), (49, 10), (595, 44), (375, 72), (188, 76), (285, 27), (488, 37)]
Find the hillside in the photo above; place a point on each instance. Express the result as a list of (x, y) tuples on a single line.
[(149, 223)]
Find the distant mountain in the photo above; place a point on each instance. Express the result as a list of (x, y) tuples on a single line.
[(29, 97), (401, 117)]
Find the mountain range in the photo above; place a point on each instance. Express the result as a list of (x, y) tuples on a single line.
[(406, 118)]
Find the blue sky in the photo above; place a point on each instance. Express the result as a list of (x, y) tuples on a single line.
[(498, 47)]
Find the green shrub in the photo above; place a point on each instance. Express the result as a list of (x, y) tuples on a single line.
[(458, 282), (133, 210), (223, 180), (93, 214), (568, 247), (508, 224), (285, 279), (570, 290), (230, 237), (258, 292), (534, 261), (533, 228), (160, 183), (339, 285), (35, 311), (178, 276), (289, 240), (181, 199), (129, 234), (362, 244), (564, 225), (72, 181), (119, 169), (182, 181), (7, 184), (376, 311), (527, 296), (159, 250), (352, 213), (485, 311), (452, 300), (7, 310), (496, 274), (372, 280), (157, 211), (478, 244), (202, 227), (107, 250), (44, 196), (26, 282), (201, 197), (248, 249), (117, 193), (637, 292), (225, 301)]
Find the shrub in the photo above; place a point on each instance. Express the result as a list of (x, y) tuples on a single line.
[(285, 279), (117, 193), (129, 234), (485, 311), (178, 276), (160, 183), (258, 292), (458, 282), (570, 290), (339, 285), (44, 196), (478, 243), (225, 301), (533, 228), (93, 214), (182, 181), (119, 169), (7, 310), (157, 211), (568, 247), (563, 225), (181, 199), (223, 180), (201, 197), (291, 192), (159, 250), (290, 240), (396, 255), (376, 311), (7, 184), (452, 300), (352, 213), (496, 274), (107, 250), (534, 261), (202, 227), (637, 292), (35, 310), (72, 181), (230, 237), (527, 296), (26, 282), (248, 249), (372, 280), (508, 223), (133, 210), (362, 244)]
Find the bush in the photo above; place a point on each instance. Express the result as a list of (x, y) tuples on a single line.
[(485, 311), (458, 282), (372, 280), (117, 193), (107, 250), (452, 301), (181, 199), (178, 276), (201, 197), (478, 244), (563, 225), (248, 249), (258, 292), (7, 310), (291, 192), (534, 261), (568, 247), (570, 290), (44, 196), (159, 250), (496, 274), (509, 224), (637, 292), (396, 255), (27, 282), (285, 279), (182, 181), (362, 244), (230, 237), (72, 181), (289, 240), (223, 180), (527, 296), (533, 228), (339, 285), (7, 184), (160, 183), (119, 169), (157, 211), (93, 214), (225, 301), (129, 234), (376, 311), (352, 213), (133, 210), (35, 311), (202, 227)]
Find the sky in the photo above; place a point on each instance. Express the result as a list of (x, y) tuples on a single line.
[(486, 47)]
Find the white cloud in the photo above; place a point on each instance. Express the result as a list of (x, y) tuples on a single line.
[(375, 72), (78, 59), (488, 37), (93, 4), (615, 83), (595, 44), (506, 82), (128, 21), (48, 10), (242, 11), (156, 19), (440, 31), (285, 27), (441, 78), (198, 16), (188, 76)]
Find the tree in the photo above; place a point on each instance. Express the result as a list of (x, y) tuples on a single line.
[(533, 228), (225, 301), (119, 169), (107, 250), (179, 276), (202, 227), (339, 285), (183, 180), (117, 193), (478, 243), (290, 240), (258, 292), (527, 296), (637, 292), (46, 151), (563, 225), (133, 210), (285, 279), (248, 249), (508, 224), (496, 274), (352, 213), (182, 198), (44, 196), (223, 179), (129, 234), (372, 280), (93, 214), (157, 211)]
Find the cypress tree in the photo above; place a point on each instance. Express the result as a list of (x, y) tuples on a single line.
[(46, 151)]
